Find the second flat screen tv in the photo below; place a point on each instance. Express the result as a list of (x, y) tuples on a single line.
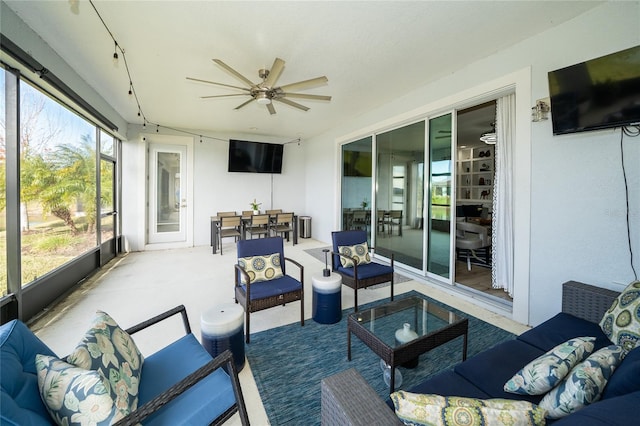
[(596, 94), (255, 157)]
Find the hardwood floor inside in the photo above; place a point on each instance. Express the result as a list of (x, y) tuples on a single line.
[(479, 278)]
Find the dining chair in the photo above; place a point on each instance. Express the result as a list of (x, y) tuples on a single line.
[(283, 224), (222, 214), (259, 225), (352, 260), (395, 218), (273, 212), (261, 279), (359, 220), (230, 226), (247, 213)]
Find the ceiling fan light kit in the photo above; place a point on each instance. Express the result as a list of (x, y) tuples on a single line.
[(266, 91)]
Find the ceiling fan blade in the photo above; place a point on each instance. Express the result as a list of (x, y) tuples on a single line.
[(271, 109), (306, 84), (305, 96), (291, 103), (217, 84), (235, 73), (245, 103), (223, 96), (274, 73)]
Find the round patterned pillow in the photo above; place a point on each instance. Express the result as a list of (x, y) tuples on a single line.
[(621, 322)]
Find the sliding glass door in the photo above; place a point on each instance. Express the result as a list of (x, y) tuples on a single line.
[(399, 202), (356, 185), (439, 204)]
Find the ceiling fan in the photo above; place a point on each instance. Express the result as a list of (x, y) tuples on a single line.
[(266, 91)]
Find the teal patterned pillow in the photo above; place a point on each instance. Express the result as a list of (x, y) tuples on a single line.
[(360, 252), (74, 395), (261, 268), (436, 410), (585, 383), (543, 373), (110, 350), (621, 323)]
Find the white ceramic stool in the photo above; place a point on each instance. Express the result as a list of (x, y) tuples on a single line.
[(222, 327)]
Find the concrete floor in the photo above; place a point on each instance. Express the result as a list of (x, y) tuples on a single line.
[(137, 286)]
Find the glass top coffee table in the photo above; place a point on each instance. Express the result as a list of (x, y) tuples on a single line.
[(377, 327)]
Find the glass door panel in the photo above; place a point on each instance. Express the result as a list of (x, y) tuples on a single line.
[(356, 185), (439, 217), (167, 192), (399, 200)]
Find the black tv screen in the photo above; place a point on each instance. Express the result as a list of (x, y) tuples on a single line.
[(255, 157), (597, 94)]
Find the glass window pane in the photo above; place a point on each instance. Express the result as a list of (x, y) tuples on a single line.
[(399, 194), (356, 185), (107, 176), (58, 184), (3, 198), (439, 218), (106, 144)]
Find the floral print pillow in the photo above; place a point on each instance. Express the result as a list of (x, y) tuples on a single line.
[(110, 350), (75, 396), (360, 252), (584, 384), (545, 372)]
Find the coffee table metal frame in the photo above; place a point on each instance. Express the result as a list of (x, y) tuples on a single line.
[(399, 354)]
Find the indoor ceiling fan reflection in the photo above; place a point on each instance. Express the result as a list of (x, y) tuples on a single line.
[(266, 91)]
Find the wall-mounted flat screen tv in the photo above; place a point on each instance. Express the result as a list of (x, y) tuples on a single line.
[(597, 94), (255, 157)]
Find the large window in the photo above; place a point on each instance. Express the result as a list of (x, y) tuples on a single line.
[(57, 184), (58, 192)]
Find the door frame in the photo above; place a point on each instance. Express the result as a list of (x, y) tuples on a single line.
[(182, 141)]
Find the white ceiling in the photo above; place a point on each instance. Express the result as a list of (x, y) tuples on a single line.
[(371, 52)]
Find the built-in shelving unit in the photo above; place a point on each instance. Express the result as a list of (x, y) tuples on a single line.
[(475, 174)]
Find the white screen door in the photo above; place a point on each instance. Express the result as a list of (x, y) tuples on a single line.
[(167, 193)]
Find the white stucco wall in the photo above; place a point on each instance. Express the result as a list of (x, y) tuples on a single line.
[(573, 183)]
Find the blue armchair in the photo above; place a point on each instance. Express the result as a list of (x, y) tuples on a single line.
[(261, 281), (355, 267), (179, 384)]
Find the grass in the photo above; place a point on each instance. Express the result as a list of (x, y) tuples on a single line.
[(46, 246)]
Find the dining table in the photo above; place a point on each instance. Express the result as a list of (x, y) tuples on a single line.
[(245, 222)]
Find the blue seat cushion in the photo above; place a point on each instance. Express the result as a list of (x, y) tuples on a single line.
[(368, 270), (626, 377), (561, 328), (264, 289), (491, 369), (200, 404), (20, 399), (618, 411)]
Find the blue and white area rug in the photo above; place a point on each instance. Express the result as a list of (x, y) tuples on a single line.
[(289, 362)]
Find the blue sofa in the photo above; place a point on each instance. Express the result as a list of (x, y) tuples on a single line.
[(484, 375), (180, 384)]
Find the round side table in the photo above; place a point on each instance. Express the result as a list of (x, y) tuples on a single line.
[(222, 327), (327, 298)]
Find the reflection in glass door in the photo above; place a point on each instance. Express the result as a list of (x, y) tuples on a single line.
[(439, 217), (167, 193), (399, 200), (356, 185)]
